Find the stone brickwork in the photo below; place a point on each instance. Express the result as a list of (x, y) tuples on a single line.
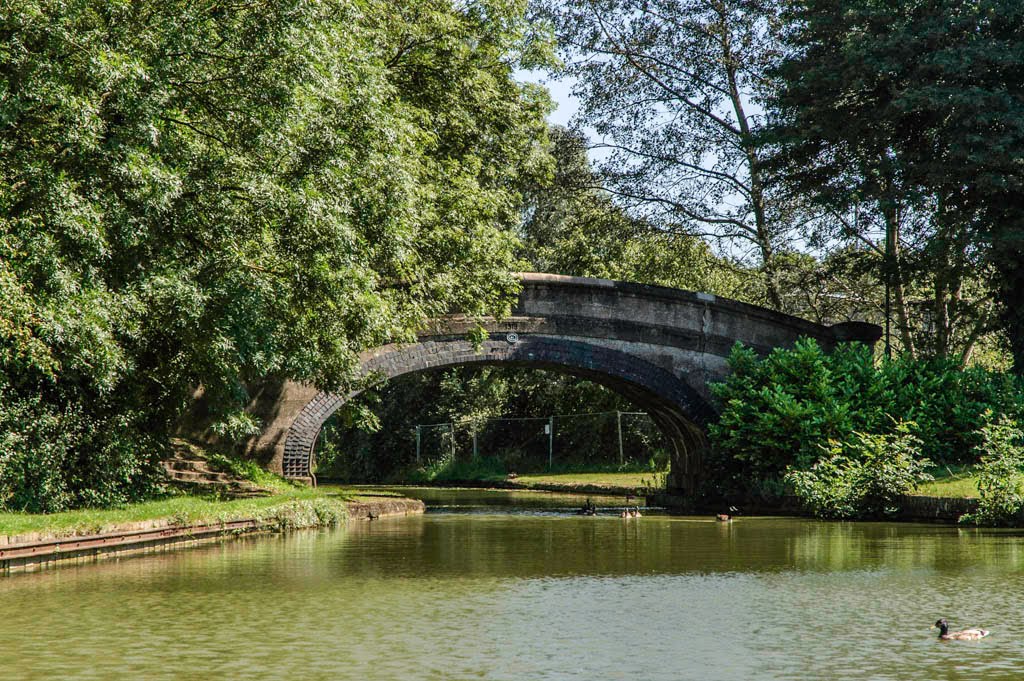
[(658, 347)]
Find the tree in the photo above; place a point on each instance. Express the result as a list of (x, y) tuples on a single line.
[(207, 194), (914, 109), (571, 226), (674, 89)]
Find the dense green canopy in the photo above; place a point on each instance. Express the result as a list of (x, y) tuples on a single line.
[(917, 107), (210, 192)]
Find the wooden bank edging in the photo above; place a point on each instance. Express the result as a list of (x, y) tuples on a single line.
[(35, 553)]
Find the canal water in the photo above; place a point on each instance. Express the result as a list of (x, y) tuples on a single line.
[(481, 589)]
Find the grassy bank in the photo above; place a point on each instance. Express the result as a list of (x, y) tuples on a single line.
[(610, 480), (489, 470), (288, 507), (958, 482), (951, 481), (286, 504)]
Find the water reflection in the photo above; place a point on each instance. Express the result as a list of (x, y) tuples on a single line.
[(542, 595), (510, 502)]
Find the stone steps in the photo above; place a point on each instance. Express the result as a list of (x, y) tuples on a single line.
[(197, 476), (185, 465), (189, 471)]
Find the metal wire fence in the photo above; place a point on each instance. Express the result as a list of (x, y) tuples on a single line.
[(608, 438)]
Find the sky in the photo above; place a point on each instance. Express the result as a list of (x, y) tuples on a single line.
[(566, 105), (560, 93)]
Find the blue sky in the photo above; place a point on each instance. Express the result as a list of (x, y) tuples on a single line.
[(566, 105), (560, 93)]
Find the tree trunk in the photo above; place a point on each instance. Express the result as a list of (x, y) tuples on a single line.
[(895, 276), (950, 266), (940, 313), (762, 233), (980, 326)]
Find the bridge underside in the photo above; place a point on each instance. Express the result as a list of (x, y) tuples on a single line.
[(678, 410)]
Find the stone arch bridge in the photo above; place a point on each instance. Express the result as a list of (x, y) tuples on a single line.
[(658, 347)]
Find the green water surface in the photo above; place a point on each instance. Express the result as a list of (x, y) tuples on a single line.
[(481, 590)]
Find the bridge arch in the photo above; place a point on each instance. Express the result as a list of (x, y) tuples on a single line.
[(659, 347), (679, 411)]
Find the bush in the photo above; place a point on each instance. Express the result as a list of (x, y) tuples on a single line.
[(247, 469), (780, 412), (827, 488), (484, 468), (35, 443), (1000, 482), (52, 460), (863, 477), (948, 403)]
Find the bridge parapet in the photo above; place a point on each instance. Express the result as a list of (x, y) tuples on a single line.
[(686, 319)]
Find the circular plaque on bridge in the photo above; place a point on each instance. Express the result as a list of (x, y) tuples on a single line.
[(512, 337)]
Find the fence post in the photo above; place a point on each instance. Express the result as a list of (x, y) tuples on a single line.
[(418, 443), (551, 441), (618, 419), (476, 453), (451, 428)]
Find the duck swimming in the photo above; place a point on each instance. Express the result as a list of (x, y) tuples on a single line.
[(963, 635)]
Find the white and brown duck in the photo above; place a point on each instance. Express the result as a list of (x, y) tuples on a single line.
[(963, 635)]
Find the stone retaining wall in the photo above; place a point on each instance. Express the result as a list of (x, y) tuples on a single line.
[(383, 508), (935, 508)]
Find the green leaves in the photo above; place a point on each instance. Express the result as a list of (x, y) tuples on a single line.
[(780, 410), (908, 115), (1000, 480), (673, 91), (572, 227), (782, 413), (196, 195), (863, 476)]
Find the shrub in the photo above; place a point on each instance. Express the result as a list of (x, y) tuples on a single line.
[(780, 412), (484, 468), (35, 443), (948, 403), (1000, 482), (863, 477), (52, 460), (826, 489), (247, 469)]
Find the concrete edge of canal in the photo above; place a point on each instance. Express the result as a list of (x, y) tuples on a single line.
[(35, 551)]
